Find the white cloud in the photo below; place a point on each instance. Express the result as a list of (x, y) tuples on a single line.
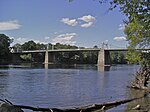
[(86, 25), (21, 40), (46, 38), (70, 22), (11, 37), (121, 26), (87, 18), (36, 41), (120, 38), (9, 25), (55, 32), (65, 39), (87, 21)]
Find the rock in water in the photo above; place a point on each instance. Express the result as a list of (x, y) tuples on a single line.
[(5, 107)]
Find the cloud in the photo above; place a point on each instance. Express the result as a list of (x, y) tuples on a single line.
[(11, 37), (121, 26), (87, 21), (70, 22), (87, 18), (55, 32), (86, 25), (120, 38), (9, 25), (46, 38), (65, 38), (21, 40)]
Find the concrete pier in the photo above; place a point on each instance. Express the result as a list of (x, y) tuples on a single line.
[(46, 57), (104, 58)]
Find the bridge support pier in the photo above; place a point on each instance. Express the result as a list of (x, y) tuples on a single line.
[(46, 57), (50, 58), (104, 58)]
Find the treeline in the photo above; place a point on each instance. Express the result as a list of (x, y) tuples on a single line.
[(62, 57), (31, 45), (118, 57)]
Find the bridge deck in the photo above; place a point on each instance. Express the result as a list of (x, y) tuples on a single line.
[(73, 50)]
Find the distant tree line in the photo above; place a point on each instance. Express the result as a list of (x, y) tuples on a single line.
[(31, 45), (62, 57), (118, 57)]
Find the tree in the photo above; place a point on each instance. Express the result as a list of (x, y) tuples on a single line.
[(118, 57), (17, 47), (137, 30), (40, 46), (4, 48), (95, 47), (64, 46), (30, 45)]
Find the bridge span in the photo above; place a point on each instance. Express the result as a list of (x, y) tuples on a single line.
[(70, 50), (103, 54)]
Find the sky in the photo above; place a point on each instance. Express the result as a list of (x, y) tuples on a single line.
[(83, 23)]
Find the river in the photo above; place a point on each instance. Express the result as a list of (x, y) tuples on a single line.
[(67, 86)]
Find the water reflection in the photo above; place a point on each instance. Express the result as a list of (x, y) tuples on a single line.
[(65, 86), (103, 68), (3, 83), (46, 66)]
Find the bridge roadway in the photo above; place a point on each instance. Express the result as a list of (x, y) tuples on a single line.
[(73, 50), (50, 57)]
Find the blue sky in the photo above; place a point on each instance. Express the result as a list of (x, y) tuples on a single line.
[(82, 22)]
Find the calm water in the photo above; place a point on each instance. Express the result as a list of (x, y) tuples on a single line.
[(66, 86)]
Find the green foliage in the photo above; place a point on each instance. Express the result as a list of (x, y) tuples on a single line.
[(145, 59), (40, 46), (64, 46), (4, 47), (26, 57), (17, 47), (133, 57), (78, 57), (30, 45), (118, 57), (137, 27)]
